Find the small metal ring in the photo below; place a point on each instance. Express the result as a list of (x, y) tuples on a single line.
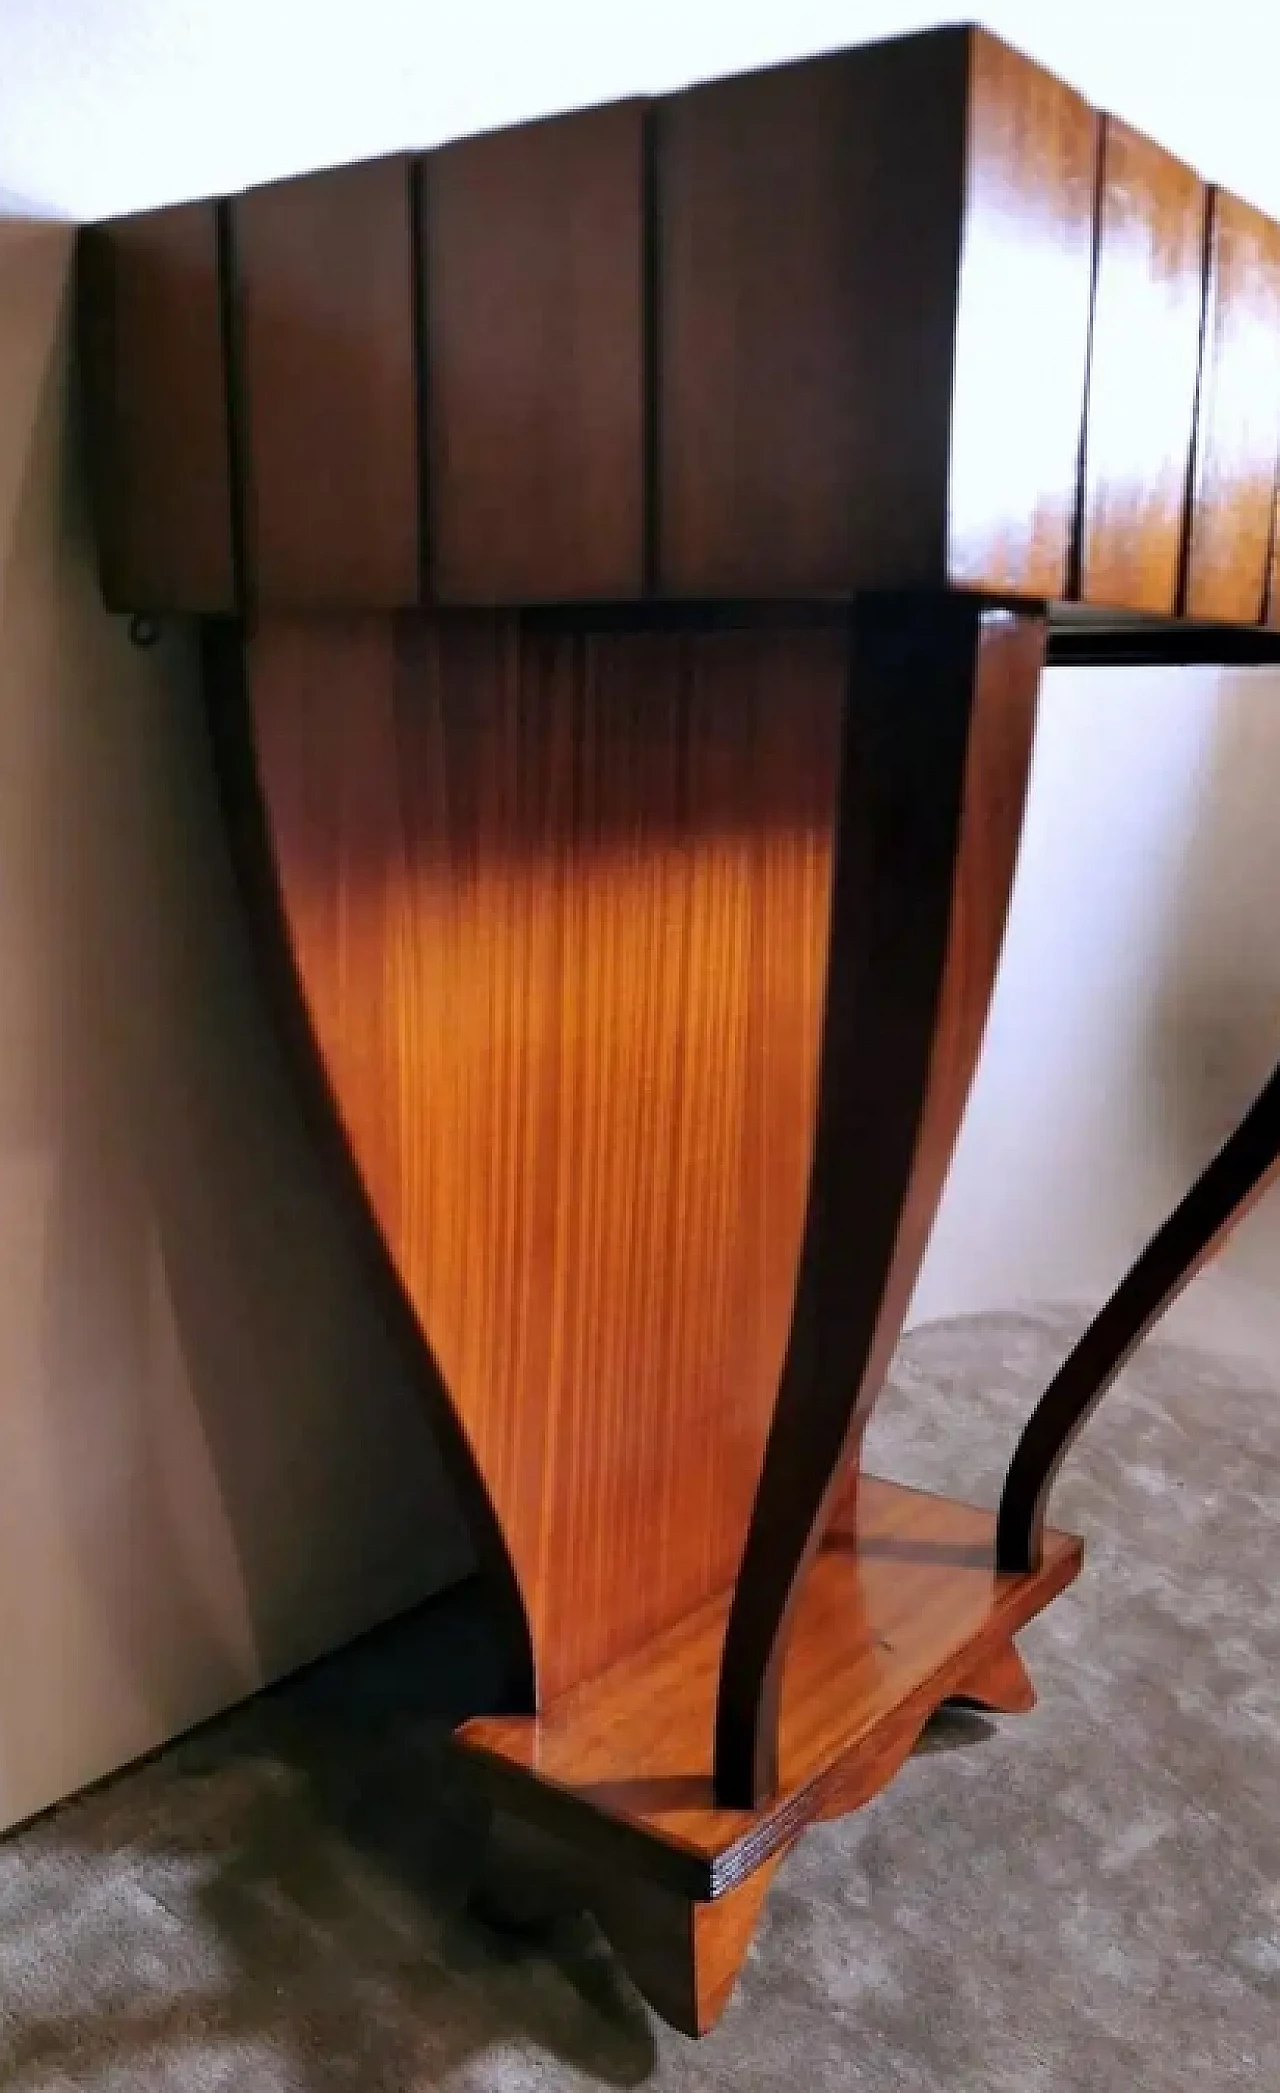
[(143, 631)]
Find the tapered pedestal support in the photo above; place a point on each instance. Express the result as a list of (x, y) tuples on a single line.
[(645, 960)]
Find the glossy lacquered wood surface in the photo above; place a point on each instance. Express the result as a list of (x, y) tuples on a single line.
[(1238, 420), (936, 761), (833, 415), (326, 359), (893, 1621), (151, 350), (558, 906), (1144, 357), (808, 332), (1021, 325)]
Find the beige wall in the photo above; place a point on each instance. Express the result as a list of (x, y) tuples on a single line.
[(1137, 1009), (210, 1469)]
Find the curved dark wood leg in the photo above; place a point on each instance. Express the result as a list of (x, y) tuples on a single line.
[(1236, 1178), (938, 733)]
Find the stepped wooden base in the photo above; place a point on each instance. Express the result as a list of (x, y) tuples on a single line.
[(607, 1796)]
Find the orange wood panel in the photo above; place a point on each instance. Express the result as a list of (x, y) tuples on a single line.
[(152, 357), (559, 905), (897, 1615), (1022, 320), (1145, 353), (534, 268), (328, 417), (1238, 422), (873, 308), (1001, 1683)]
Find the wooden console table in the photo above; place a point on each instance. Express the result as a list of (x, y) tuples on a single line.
[(626, 548)]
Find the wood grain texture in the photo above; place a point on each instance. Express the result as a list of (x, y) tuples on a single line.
[(831, 418), (534, 271), (1243, 1170), (1144, 359), (558, 906), (1238, 420), (232, 745), (1021, 325), (937, 755), (327, 365), (151, 353), (893, 1620)]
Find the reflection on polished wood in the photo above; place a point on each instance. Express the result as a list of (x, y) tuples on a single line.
[(558, 906), (670, 348), (632, 540), (1144, 355), (894, 1619), (1237, 432), (899, 1613)]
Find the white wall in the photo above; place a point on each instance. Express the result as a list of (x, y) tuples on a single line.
[(106, 108), (1137, 1010), (209, 1468)]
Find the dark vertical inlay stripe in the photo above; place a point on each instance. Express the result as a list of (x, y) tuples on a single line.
[(1075, 545), (418, 178), (1269, 573), (237, 406), (1189, 492), (651, 349)]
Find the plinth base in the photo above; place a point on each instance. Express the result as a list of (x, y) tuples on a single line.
[(896, 1617)]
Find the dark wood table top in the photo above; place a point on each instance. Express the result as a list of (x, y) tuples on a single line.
[(903, 317)]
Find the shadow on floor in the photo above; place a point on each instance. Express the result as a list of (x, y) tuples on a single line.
[(317, 1850), (291, 1881)]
